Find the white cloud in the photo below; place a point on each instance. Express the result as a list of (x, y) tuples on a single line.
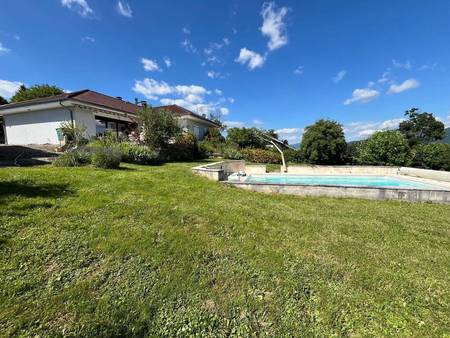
[(339, 76), (406, 65), (233, 124), (252, 59), (168, 62), (224, 111), (188, 46), (9, 88), (292, 135), (361, 130), (150, 65), (257, 122), (384, 77), (192, 97), (273, 25), (151, 88), (79, 6), (231, 100), (186, 31), (362, 95), (213, 74), (427, 67), (3, 49), (299, 70), (124, 9), (88, 39), (406, 85)]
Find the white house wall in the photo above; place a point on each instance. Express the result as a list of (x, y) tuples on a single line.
[(38, 127), (85, 119)]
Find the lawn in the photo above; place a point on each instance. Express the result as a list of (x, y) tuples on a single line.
[(157, 251)]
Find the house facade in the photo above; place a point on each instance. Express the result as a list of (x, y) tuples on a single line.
[(38, 121)]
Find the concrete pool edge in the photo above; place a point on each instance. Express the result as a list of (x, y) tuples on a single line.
[(220, 171), (373, 193)]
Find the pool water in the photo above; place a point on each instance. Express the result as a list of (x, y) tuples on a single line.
[(335, 180)]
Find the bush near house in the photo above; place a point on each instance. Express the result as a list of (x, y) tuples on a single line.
[(260, 155), (139, 154), (388, 147), (184, 148), (73, 158), (232, 153), (106, 156), (432, 156)]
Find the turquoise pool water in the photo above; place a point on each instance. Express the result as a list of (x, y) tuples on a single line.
[(338, 180)]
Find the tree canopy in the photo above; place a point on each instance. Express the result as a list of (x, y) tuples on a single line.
[(3, 101), (159, 126), (421, 127), (388, 147), (246, 137), (323, 143), (34, 92)]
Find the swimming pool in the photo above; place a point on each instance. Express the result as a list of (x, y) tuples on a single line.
[(334, 180)]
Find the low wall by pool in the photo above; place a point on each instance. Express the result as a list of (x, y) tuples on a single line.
[(220, 171)]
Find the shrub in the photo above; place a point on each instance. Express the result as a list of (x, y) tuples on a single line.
[(184, 148), (432, 156), (207, 148), (232, 153), (73, 158), (291, 155), (385, 148), (106, 157), (138, 154), (260, 155), (323, 143), (245, 138), (159, 126)]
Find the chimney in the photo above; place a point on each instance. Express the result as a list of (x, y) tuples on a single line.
[(119, 98)]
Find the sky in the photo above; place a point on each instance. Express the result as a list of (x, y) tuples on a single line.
[(276, 65)]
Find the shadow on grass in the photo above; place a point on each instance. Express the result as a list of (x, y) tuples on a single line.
[(25, 189)]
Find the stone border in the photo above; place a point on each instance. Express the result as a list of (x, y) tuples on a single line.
[(219, 171)]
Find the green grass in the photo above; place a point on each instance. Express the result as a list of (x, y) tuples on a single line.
[(157, 251)]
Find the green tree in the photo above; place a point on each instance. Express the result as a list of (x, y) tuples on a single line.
[(158, 126), (388, 147), (421, 127), (34, 92), (3, 101), (432, 156), (246, 138), (323, 143)]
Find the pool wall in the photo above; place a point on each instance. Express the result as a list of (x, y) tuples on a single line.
[(410, 195), (219, 171)]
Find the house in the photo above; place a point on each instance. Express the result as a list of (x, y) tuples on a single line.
[(38, 121)]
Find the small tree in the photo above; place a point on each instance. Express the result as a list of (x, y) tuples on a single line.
[(158, 126), (323, 143), (3, 101), (432, 156), (245, 138), (34, 92), (388, 147), (421, 127)]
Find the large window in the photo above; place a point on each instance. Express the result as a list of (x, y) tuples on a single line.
[(103, 124)]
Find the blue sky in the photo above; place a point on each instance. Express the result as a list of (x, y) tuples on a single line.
[(279, 65)]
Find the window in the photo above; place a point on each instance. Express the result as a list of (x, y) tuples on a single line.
[(100, 127)]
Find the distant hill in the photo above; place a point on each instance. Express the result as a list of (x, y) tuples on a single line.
[(295, 145), (446, 138)]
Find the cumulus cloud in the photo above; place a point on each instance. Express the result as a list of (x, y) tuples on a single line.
[(214, 75), (124, 9), (299, 70), (292, 135), (193, 97), (273, 25), (339, 76), (79, 6), (150, 65), (9, 88), (3, 49), (363, 95), (361, 130), (257, 122), (404, 86), (251, 58)]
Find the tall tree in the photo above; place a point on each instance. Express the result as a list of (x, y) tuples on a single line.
[(34, 92), (246, 137), (159, 126), (3, 101), (323, 143), (421, 127)]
